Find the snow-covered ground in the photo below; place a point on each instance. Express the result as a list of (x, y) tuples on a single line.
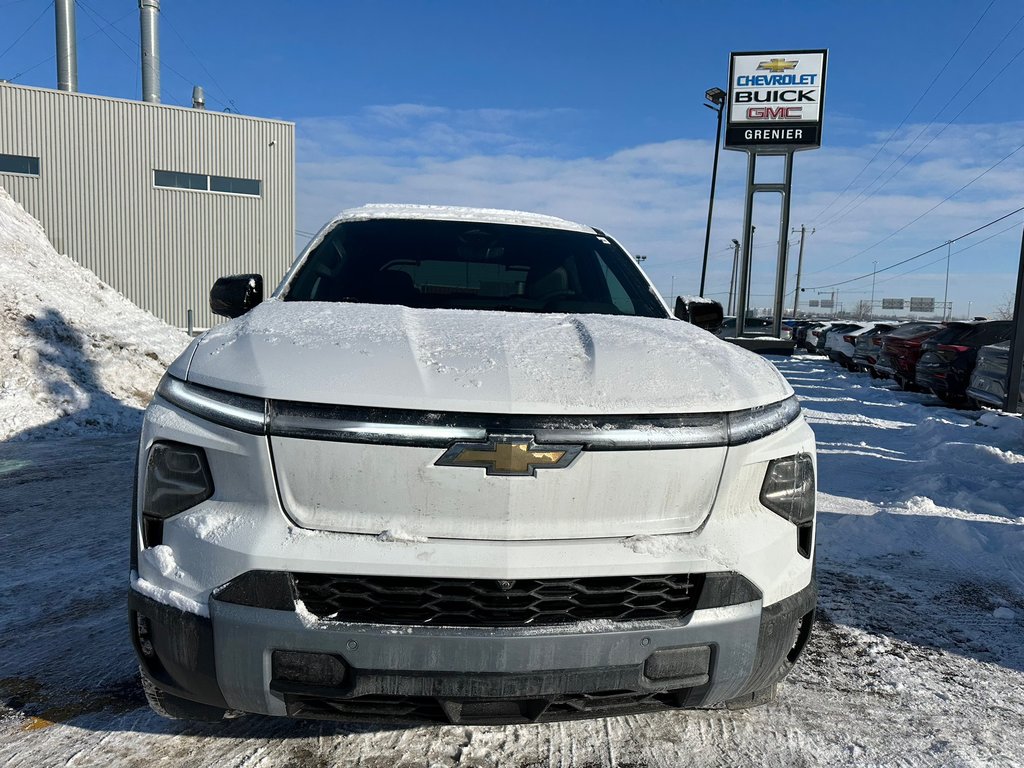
[(917, 656)]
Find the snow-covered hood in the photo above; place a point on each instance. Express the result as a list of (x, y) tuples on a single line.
[(483, 362)]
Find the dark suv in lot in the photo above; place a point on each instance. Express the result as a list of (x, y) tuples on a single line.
[(901, 349), (948, 358), (991, 378)]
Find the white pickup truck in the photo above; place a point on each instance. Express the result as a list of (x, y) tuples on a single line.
[(464, 466)]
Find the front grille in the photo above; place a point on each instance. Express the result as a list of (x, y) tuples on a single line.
[(490, 603)]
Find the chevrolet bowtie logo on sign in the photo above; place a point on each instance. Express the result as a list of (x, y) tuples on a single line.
[(777, 65), (509, 456)]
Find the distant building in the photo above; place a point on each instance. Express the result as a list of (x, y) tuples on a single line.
[(157, 200)]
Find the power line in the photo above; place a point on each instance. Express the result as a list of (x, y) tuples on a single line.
[(53, 56), (163, 64), (954, 253), (93, 16), (27, 30), (918, 256), (213, 79), (909, 113), (918, 218), (853, 204)]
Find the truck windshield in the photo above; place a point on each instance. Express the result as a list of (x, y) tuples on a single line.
[(465, 265)]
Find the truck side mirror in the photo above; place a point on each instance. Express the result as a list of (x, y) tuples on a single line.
[(704, 313), (235, 295)]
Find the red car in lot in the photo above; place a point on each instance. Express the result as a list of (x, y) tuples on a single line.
[(901, 350)]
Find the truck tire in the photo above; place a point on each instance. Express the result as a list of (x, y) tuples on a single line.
[(176, 708), (765, 695)]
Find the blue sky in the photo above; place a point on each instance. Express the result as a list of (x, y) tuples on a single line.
[(593, 111)]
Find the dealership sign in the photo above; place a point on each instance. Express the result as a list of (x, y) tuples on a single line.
[(776, 100)]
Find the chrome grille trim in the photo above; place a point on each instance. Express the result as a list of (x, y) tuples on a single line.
[(430, 429)]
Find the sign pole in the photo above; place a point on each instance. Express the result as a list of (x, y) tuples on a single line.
[(782, 268)]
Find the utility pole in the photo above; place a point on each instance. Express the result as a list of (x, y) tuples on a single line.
[(874, 271), (945, 295), (735, 264), (799, 269)]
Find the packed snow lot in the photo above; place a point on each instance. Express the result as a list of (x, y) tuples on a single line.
[(916, 658)]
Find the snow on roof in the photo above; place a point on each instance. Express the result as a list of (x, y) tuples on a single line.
[(79, 357), (458, 213)]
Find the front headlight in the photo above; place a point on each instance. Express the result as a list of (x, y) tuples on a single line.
[(177, 478), (788, 491), (788, 488)]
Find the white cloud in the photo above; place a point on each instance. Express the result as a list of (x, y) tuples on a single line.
[(653, 197)]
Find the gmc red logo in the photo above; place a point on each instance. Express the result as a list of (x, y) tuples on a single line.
[(774, 113)]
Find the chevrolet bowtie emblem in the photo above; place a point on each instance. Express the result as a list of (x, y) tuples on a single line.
[(509, 456), (777, 65)]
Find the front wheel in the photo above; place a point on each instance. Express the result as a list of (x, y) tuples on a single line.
[(176, 708), (765, 695)]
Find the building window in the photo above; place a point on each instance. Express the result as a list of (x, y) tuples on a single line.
[(237, 186), (206, 183), (19, 164), (179, 180)]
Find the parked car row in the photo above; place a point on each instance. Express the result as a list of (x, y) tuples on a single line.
[(961, 362)]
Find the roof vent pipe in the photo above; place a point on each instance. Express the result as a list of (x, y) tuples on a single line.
[(198, 97), (149, 37), (67, 46)]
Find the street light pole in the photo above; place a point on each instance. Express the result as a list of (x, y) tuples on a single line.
[(717, 98)]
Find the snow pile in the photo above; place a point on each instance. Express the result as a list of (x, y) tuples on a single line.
[(78, 356)]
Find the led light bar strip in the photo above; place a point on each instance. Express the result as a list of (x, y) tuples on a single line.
[(439, 430)]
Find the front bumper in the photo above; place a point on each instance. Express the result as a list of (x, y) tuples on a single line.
[(280, 662), (222, 653)]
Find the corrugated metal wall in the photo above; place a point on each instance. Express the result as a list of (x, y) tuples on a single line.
[(162, 248)]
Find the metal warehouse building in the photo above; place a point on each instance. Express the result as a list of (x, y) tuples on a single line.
[(157, 200)]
